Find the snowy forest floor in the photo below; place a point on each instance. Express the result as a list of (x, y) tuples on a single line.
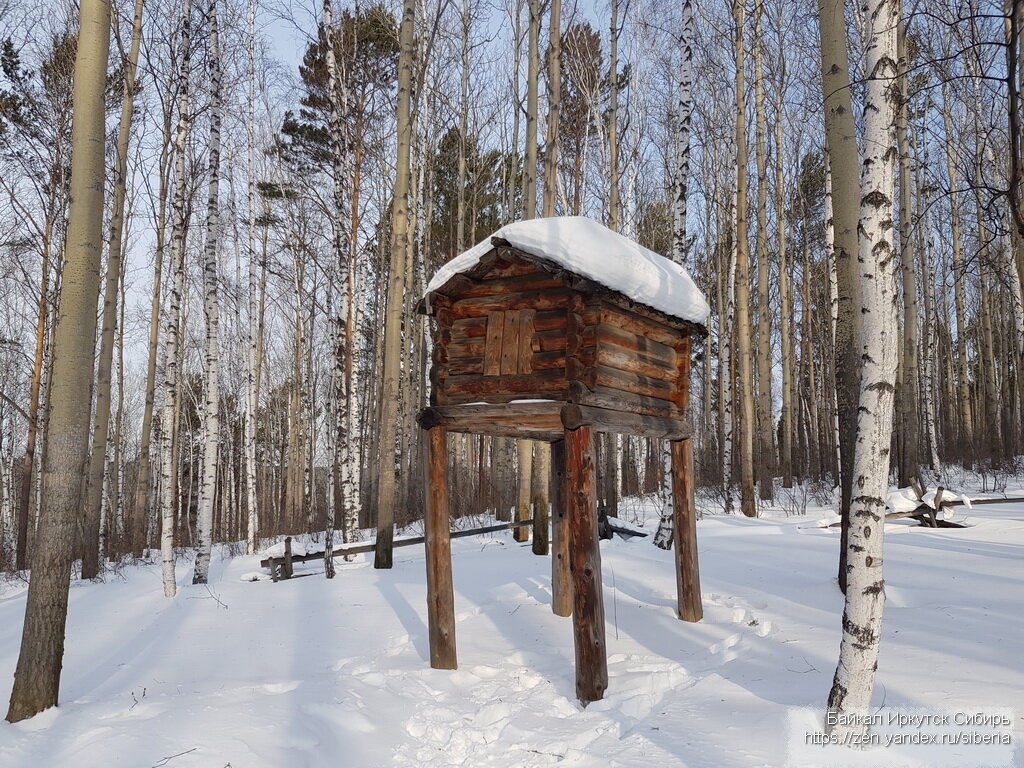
[(311, 672)]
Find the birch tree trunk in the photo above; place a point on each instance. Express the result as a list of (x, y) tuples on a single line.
[(179, 226), (211, 309), (850, 696), (101, 421), (252, 369), (37, 676), (680, 180)]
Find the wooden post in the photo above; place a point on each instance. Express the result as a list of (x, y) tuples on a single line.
[(561, 581), (440, 595), (585, 565), (685, 534), (287, 567)]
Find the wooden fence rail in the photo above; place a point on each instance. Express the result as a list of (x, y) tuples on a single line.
[(281, 567)]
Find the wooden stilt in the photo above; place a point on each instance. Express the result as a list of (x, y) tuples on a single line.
[(685, 534), (561, 580), (440, 595), (585, 566)]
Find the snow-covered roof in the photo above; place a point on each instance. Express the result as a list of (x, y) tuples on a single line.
[(591, 250)]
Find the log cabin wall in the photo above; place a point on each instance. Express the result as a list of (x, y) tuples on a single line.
[(517, 328)]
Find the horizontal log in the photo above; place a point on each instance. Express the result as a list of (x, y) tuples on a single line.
[(637, 363), (546, 361), (465, 366), (608, 334), (641, 326), (555, 298), (575, 416), (633, 383), (534, 421), (355, 549), (465, 349), (469, 328), (522, 384), (617, 400), (642, 310), (557, 393), (535, 281), (547, 341)]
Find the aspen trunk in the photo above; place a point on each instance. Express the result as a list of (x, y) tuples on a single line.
[(37, 677), (101, 421), (743, 352), (532, 111), (395, 300), (865, 595), (908, 378), (765, 420)]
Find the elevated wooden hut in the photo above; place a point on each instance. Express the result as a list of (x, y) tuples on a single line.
[(551, 330)]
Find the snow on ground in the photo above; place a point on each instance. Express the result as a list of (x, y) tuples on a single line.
[(311, 672)]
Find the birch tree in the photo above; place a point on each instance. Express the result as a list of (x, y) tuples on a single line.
[(211, 310), (179, 225), (850, 696)]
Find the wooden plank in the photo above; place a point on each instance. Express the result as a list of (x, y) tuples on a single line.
[(492, 346), (561, 579), (684, 514), (440, 593), (610, 334), (575, 415), (524, 363), (585, 566), (510, 343)]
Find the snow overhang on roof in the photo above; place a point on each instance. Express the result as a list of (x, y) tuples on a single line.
[(593, 251)]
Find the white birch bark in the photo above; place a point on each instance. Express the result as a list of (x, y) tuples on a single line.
[(850, 696), (252, 367), (211, 309), (681, 145), (168, 416)]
